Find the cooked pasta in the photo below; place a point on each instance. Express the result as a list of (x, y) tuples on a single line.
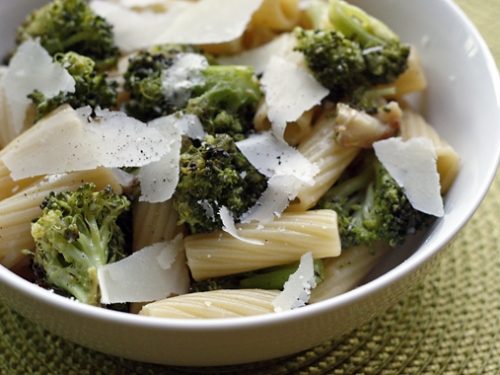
[(278, 15), (154, 222), (413, 79), (9, 187), (346, 271), (285, 240), (7, 132), (18, 211), (332, 159), (214, 304), (448, 161)]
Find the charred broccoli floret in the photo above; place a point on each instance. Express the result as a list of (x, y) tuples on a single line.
[(336, 62), (144, 82), (214, 173), (170, 78), (91, 88), (76, 233), (371, 206), (384, 54), (71, 25)]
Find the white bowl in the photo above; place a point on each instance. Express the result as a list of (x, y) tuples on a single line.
[(463, 102)]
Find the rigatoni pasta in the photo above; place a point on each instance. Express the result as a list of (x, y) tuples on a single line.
[(284, 240)]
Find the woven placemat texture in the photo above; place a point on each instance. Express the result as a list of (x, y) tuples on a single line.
[(450, 324)]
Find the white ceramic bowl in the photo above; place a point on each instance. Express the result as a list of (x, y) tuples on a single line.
[(463, 102)]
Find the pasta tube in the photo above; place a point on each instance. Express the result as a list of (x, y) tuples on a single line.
[(279, 15), (448, 162), (346, 272), (285, 240), (413, 79), (321, 148), (18, 211), (214, 304)]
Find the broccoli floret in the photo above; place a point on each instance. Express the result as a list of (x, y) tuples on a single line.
[(273, 278), (144, 82), (336, 62), (76, 233), (214, 173), (385, 56), (170, 78), (227, 100), (71, 25), (91, 88), (370, 100), (371, 206)]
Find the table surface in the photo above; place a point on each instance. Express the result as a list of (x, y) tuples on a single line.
[(449, 325)]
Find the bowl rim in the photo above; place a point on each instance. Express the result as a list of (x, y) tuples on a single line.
[(395, 274)]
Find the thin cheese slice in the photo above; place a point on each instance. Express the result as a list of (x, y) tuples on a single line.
[(274, 201), (297, 290), (159, 179), (210, 22), (230, 228), (135, 30), (150, 274), (259, 57), (273, 157), (413, 165), (30, 69), (290, 91), (64, 143)]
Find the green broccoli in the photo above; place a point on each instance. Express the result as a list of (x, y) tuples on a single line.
[(272, 278), (385, 56), (225, 98), (144, 82), (76, 233), (214, 173), (371, 206), (370, 100), (91, 88), (336, 62), (71, 25)]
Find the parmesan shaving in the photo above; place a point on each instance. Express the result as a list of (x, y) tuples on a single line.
[(230, 228), (32, 68), (275, 199), (259, 57), (112, 140), (413, 165), (290, 91), (210, 22), (159, 179), (158, 271), (272, 157), (297, 290)]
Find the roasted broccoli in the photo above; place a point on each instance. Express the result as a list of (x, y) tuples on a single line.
[(170, 78), (71, 25), (91, 88), (336, 62), (371, 206), (214, 173), (272, 278), (384, 54), (76, 233)]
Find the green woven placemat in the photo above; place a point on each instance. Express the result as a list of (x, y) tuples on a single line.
[(450, 324)]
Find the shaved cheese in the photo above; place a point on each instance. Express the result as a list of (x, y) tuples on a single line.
[(273, 157), (290, 91), (190, 126), (158, 271), (275, 199), (413, 165), (297, 290), (230, 228), (32, 68), (125, 179), (259, 57), (64, 143), (210, 22), (182, 76), (209, 210), (159, 179), (135, 30)]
